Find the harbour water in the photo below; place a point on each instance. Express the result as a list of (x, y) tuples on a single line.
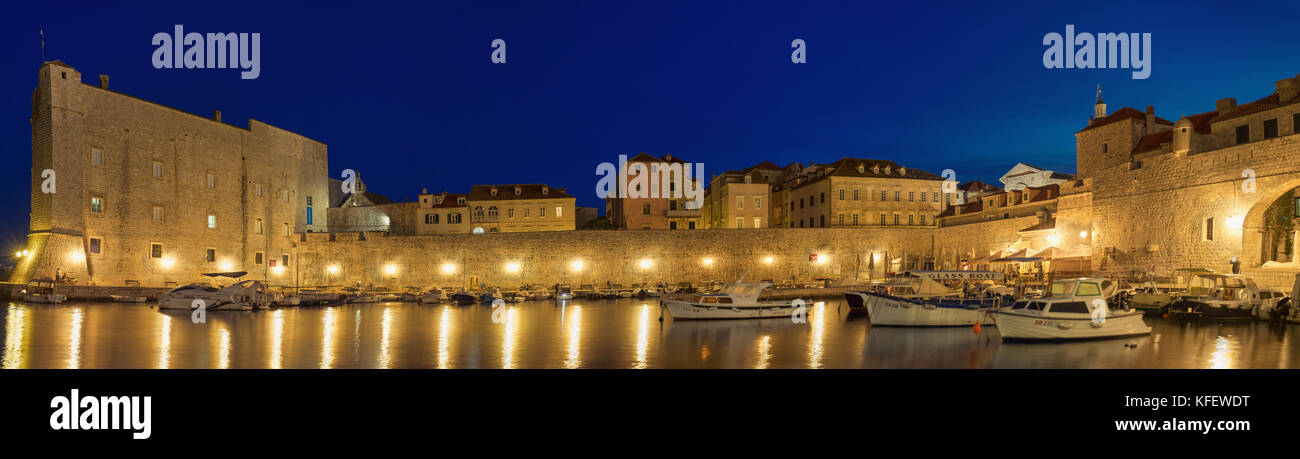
[(607, 334)]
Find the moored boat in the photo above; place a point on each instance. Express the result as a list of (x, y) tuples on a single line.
[(1075, 309), (128, 299), (930, 299), (1217, 296), (737, 300), (563, 292), (42, 291), (243, 295)]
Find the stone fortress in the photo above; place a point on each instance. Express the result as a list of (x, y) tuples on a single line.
[(154, 196)]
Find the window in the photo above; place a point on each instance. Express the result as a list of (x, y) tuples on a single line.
[(1105, 147), (455, 218), (740, 202), (97, 205), (96, 158), (96, 244), (284, 195), (896, 218), (911, 196), (823, 220), (493, 212), (258, 187), (157, 170), (541, 212), (1209, 229), (257, 258), (212, 181), (158, 214), (1295, 123), (897, 195), (855, 194), (284, 229), (559, 211), (841, 219), (758, 202), (855, 219), (758, 222), (823, 197), (690, 225), (1270, 128), (309, 199), (672, 205), (672, 225), (936, 196), (1243, 134), (257, 226), (645, 210), (155, 250), (210, 255), (740, 222), (883, 222), (922, 196), (529, 211), (429, 218), (212, 221), (791, 205), (1077, 307), (842, 194), (510, 213), (884, 195), (921, 218), (1088, 289), (910, 220), (284, 259)]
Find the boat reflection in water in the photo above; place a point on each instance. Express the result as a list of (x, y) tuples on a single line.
[(621, 333)]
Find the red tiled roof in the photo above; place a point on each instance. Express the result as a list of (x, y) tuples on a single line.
[(1154, 141), (507, 192), (1270, 101), (767, 165), (451, 200), (976, 185), (1126, 113)]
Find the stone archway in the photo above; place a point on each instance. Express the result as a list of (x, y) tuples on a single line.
[(1253, 225)]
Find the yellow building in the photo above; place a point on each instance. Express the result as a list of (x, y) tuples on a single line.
[(445, 213), (738, 199), (519, 208), (864, 192)]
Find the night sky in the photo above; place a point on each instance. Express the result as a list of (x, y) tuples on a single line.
[(410, 98)]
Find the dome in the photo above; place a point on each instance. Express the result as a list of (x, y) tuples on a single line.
[(1183, 122)]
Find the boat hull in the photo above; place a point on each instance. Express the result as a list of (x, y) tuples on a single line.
[(885, 310), (684, 310), (1015, 326), (210, 304), (47, 298)]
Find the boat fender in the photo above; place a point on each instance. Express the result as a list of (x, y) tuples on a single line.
[(977, 328)]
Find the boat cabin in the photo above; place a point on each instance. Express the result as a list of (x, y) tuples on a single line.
[(44, 286), (1226, 287), (742, 293)]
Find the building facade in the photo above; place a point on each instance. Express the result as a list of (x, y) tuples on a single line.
[(864, 192), (519, 208), (665, 210), (738, 199), (148, 194)]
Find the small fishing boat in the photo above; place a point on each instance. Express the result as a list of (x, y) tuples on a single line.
[(1217, 296), (513, 297), (432, 296), (128, 299), (320, 296), (463, 298), (243, 295), (563, 292), (737, 300), (356, 296), (1075, 309), (42, 291), (491, 295), (1154, 295), (930, 299)]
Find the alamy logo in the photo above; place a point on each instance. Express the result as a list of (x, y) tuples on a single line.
[(215, 51), (640, 180), (1104, 51), (102, 413)]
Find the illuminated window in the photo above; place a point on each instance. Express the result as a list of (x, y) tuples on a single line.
[(758, 202), (740, 222), (155, 250), (96, 158), (758, 222), (212, 181), (284, 229), (157, 214), (559, 211), (257, 226), (97, 205), (740, 202), (212, 221), (157, 170)]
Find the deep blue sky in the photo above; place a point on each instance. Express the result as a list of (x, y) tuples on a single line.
[(407, 94)]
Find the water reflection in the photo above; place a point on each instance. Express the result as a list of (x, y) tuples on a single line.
[(623, 333)]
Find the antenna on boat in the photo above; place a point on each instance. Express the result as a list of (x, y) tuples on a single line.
[(742, 276)]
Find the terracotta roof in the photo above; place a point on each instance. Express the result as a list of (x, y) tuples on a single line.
[(1268, 102), (978, 186), (767, 165), (1201, 122), (451, 200), (1126, 113), (507, 192), (1154, 141), (1062, 176)]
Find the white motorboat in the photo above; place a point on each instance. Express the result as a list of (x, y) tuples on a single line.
[(42, 291), (930, 299), (1075, 309), (1217, 296), (433, 295), (244, 295), (737, 300), (128, 299), (563, 292)]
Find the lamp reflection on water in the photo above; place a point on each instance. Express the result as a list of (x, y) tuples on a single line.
[(642, 336), (764, 351), (327, 340), (444, 330), (74, 341), (224, 355), (818, 331), (385, 358), (575, 333), (165, 342), (277, 338), (1222, 357), (508, 340), (15, 323)]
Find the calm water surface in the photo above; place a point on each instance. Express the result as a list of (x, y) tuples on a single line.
[(624, 333)]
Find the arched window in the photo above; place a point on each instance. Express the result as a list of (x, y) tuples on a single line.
[(478, 211), (492, 212)]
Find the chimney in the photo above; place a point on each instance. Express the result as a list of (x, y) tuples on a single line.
[(1225, 105), (1151, 119), (216, 115), (103, 82), (1287, 89)]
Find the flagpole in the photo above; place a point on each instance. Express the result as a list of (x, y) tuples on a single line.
[(42, 45)]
